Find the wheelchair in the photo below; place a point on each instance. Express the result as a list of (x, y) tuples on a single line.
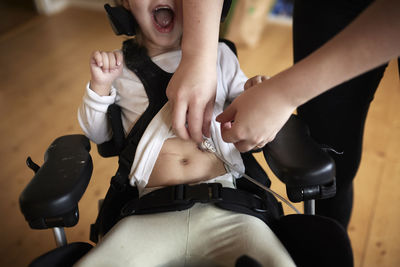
[(51, 198)]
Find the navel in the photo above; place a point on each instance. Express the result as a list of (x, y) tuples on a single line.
[(184, 161)]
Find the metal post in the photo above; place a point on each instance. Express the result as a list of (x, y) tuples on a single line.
[(59, 235), (309, 207)]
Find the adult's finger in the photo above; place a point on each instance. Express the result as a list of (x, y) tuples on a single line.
[(195, 121), (247, 85), (244, 146), (265, 77), (257, 80), (179, 110), (250, 143), (229, 134), (227, 115), (208, 112)]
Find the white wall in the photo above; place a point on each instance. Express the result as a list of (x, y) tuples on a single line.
[(49, 7)]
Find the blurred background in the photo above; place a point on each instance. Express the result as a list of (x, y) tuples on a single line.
[(45, 47)]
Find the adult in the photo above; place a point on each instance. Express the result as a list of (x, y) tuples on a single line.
[(333, 43)]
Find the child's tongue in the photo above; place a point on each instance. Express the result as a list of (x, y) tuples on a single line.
[(163, 17)]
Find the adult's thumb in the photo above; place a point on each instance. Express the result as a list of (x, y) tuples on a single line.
[(228, 115)]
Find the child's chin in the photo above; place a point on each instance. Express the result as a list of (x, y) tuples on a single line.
[(169, 43)]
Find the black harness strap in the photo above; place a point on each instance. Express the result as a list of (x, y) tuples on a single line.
[(183, 196), (155, 82)]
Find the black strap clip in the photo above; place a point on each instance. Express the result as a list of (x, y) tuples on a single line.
[(204, 193), (176, 197)]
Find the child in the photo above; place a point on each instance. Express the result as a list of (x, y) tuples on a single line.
[(202, 235)]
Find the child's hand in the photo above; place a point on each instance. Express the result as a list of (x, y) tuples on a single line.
[(255, 80), (105, 67)]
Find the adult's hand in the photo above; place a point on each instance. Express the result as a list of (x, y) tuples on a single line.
[(192, 92), (255, 117)]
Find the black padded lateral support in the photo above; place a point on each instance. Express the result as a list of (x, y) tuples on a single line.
[(122, 21), (296, 159), (51, 197)]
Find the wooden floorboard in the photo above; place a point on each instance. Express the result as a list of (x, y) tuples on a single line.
[(44, 71), (381, 245)]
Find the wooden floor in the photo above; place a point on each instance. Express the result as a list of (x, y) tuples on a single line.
[(44, 71)]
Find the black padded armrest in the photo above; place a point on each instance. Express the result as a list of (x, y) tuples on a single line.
[(296, 159), (51, 197)]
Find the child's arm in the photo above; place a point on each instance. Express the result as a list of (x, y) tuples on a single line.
[(105, 67)]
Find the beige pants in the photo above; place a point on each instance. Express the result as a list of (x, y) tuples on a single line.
[(201, 236)]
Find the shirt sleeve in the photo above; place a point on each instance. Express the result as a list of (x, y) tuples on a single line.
[(233, 77), (92, 115)]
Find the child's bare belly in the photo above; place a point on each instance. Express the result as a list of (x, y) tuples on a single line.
[(182, 162)]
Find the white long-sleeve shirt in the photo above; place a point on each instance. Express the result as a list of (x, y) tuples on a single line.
[(128, 92)]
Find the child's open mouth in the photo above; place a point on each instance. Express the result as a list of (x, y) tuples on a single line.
[(163, 18)]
